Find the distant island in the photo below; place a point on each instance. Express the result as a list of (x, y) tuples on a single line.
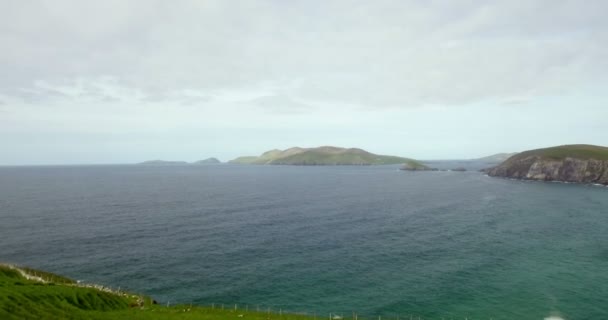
[(178, 163), (568, 163), (324, 156), (208, 161), (496, 158), (416, 166), (163, 163)]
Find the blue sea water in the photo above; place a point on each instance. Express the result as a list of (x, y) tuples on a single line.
[(373, 240)]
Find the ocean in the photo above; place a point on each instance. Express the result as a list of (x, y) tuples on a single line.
[(372, 240)]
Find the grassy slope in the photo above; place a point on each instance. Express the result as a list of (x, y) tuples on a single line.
[(27, 299), (578, 151), (59, 298)]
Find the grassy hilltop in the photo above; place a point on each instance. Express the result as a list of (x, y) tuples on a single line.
[(576, 151), (323, 156), (31, 294)]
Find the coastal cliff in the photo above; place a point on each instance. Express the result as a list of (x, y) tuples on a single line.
[(570, 163)]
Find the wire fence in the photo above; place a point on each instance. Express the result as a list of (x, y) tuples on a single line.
[(275, 312)]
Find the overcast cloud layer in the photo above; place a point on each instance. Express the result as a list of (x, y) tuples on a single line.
[(126, 81)]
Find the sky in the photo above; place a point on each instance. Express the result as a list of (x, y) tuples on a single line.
[(118, 81)]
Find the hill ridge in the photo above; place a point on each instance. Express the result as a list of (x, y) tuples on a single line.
[(323, 155)]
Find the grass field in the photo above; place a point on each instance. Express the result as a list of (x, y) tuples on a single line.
[(49, 296)]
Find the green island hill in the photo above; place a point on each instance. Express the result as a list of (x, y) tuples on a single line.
[(32, 294), (580, 163), (325, 156)]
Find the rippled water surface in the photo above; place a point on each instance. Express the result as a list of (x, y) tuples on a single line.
[(373, 240)]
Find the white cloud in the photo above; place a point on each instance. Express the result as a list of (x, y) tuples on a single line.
[(274, 70), (379, 54)]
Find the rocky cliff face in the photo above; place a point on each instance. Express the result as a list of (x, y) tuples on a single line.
[(567, 169)]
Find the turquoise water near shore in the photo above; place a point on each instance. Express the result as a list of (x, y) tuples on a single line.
[(374, 240)]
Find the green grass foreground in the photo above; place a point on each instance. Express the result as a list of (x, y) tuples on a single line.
[(49, 296)]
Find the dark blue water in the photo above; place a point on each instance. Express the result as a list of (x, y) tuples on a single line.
[(373, 240)]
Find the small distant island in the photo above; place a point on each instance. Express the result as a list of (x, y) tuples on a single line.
[(496, 158), (324, 156), (179, 163), (416, 166), (163, 163), (579, 163), (208, 161)]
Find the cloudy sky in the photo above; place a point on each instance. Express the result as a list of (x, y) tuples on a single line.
[(126, 81)]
